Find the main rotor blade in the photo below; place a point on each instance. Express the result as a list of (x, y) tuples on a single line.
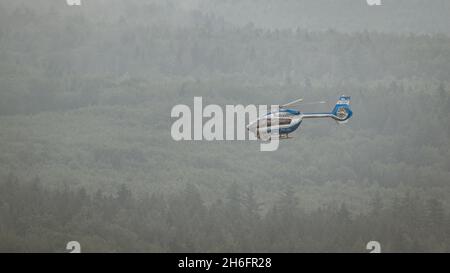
[(315, 102), (291, 103)]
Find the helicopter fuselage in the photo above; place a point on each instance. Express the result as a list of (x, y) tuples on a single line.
[(285, 121)]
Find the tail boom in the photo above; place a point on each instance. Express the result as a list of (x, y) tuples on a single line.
[(340, 113)]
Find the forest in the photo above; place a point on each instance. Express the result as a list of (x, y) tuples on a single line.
[(86, 152), (38, 220)]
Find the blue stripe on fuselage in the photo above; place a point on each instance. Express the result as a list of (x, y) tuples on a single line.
[(289, 129)]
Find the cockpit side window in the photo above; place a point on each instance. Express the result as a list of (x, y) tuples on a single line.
[(268, 122)]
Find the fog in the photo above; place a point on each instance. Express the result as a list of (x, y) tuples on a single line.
[(86, 152)]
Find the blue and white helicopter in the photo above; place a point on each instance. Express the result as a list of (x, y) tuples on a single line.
[(285, 121)]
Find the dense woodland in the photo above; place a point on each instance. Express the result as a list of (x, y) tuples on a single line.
[(86, 152), (35, 219)]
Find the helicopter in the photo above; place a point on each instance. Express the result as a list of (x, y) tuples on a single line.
[(286, 120)]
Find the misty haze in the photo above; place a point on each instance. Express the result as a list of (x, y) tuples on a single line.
[(86, 152)]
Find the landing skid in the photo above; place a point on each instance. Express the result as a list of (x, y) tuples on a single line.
[(283, 136)]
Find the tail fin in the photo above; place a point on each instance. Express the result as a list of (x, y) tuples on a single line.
[(341, 111)]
